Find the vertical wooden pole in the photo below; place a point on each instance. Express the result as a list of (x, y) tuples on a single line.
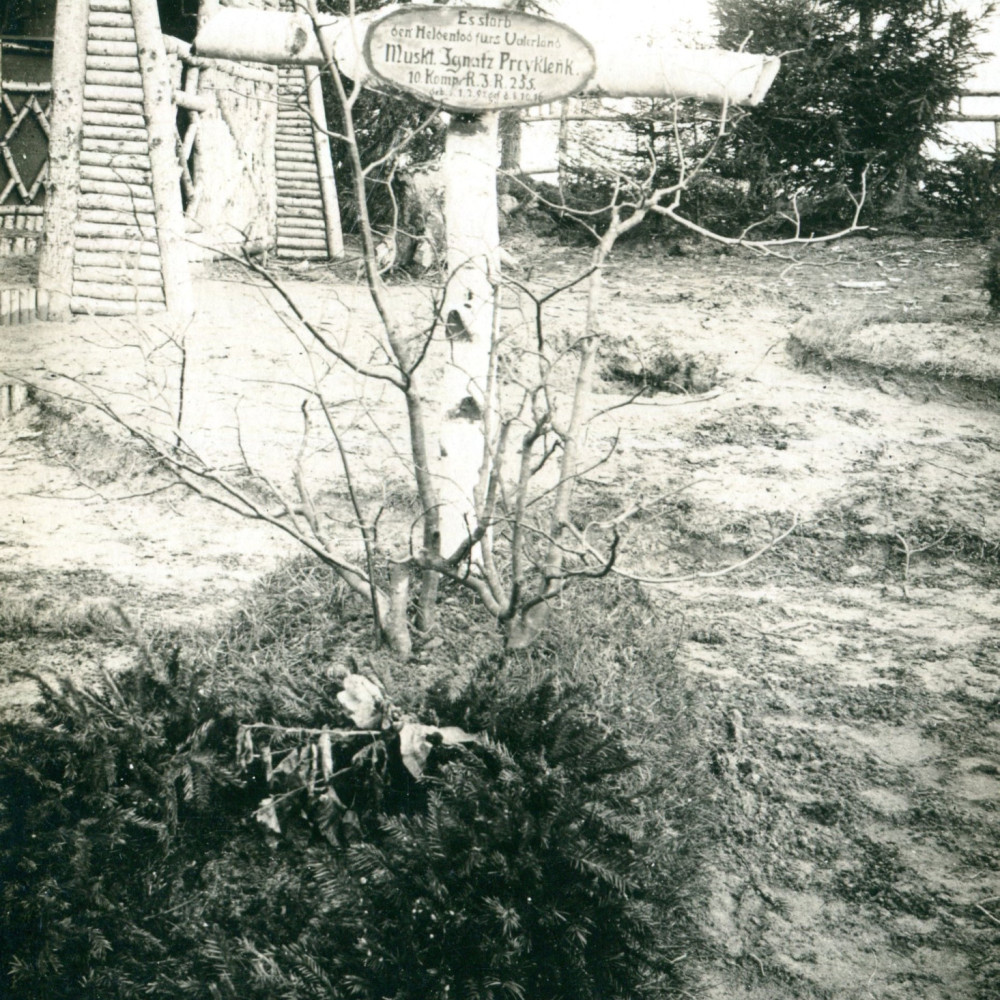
[(473, 256), (158, 105), (69, 63), (510, 149), (321, 144), (324, 164)]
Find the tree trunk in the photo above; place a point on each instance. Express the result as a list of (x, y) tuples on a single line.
[(510, 149), (161, 115), (562, 149), (470, 211), (866, 23), (55, 266), (396, 625), (422, 238)]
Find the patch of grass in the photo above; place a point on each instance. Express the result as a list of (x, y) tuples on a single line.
[(988, 707), (748, 426), (878, 875), (891, 703), (929, 349), (42, 613), (844, 534), (71, 437)]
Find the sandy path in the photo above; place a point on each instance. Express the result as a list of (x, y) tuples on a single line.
[(850, 700)]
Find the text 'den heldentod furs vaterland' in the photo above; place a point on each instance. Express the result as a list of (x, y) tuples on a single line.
[(476, 58)]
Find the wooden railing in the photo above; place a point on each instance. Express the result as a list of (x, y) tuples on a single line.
[(22, 102), (961, 116)]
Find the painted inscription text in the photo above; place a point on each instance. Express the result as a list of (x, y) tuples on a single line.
[(471, 59)]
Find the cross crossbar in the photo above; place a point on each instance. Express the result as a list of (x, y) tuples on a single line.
[(626, 67)]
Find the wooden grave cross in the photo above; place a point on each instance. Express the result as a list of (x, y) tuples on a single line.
[(474, 61)]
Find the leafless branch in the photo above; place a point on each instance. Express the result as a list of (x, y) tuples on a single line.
[(664, 581)]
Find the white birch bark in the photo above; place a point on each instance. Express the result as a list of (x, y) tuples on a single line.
[(627, 65), (55, 266), (469, 167), (158, 105)]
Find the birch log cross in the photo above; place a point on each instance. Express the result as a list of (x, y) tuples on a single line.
[(474, 61)]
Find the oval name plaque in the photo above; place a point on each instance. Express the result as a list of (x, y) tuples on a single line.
[(478, 58)]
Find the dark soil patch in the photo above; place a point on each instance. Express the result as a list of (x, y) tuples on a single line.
[(18, 270), (666, 371), (749, 426)]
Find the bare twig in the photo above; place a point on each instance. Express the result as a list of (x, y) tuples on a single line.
[(909, 550), (664, 581)]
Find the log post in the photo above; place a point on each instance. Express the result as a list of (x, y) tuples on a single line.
[(469, 167), (324, 164), (510, 149), (55, 265), (158, 105)]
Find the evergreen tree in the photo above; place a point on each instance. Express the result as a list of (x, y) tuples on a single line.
[(381, 120), (865, 84)]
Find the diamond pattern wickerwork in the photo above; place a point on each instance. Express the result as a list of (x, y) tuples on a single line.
[(24, 130)]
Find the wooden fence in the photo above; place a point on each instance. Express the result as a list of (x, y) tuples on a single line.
[(20, 305), (13, 397), (961, 116), (20, 229)]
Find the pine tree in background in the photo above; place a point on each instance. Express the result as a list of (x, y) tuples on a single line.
[(864, 86)]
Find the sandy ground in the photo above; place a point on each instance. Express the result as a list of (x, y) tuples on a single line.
[(849, 679)]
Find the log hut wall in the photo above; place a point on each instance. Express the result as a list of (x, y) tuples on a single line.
[(308, 216), (308, 212), (252, 171), (113, 241), (259, 175), (117, 266)]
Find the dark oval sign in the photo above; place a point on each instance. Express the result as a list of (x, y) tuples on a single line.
[(478, 58)]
